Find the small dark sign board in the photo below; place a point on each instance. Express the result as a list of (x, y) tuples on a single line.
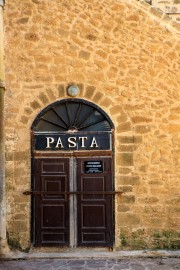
[(95, 166)]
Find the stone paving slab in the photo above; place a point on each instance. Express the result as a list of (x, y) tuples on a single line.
[(89, 264)]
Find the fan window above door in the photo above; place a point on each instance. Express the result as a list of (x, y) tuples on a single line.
[(72, 115)]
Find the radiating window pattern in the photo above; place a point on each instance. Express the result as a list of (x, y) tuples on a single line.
[(72, 115)]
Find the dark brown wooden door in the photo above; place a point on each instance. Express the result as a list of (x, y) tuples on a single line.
[(95, 212), (51, 212), (55, 214)]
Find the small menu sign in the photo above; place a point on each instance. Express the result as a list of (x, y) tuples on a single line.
[(95, 166)]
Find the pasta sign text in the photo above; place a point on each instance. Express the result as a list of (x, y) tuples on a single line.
[(72, 142)]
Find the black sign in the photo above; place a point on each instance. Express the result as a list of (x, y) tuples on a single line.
[(72, 141), (93, 166)]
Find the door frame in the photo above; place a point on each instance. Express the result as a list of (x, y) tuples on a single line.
[(58, 153)]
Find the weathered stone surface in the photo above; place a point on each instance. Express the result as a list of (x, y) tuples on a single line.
[(170, 7), (142, 129), (140, 119), (85, 55), (89, 91), (123, 208), (35, 105), (126, 198), (115, 110), (128, 218), (130, 139), (124, 127), (97, 97), (129, 180), (126, 159), (124, 57), (126, 148), (103, 263), (17, 225)]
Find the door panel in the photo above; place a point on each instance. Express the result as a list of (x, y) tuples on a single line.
[(93, 216), (51, 220), (93, 184), (95, 212)]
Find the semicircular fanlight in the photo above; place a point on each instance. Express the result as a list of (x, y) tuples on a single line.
[(72, 115)]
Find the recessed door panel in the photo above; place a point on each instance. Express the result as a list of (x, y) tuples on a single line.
[(48, 166), (95, 212), (92, 216), (51, 218), (93, 184), (54, 183), (90, 238), (55, 238)]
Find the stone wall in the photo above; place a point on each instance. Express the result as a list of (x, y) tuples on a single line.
[(123, 59), (170, 7)]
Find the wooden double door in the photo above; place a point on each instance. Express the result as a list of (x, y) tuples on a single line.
[(73, 202)]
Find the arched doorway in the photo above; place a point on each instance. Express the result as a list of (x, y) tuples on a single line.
[(72, 176)]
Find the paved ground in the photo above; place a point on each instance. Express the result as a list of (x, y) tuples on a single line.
[(89, 264)]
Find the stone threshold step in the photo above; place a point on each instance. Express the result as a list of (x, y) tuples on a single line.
[(90, 254)]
